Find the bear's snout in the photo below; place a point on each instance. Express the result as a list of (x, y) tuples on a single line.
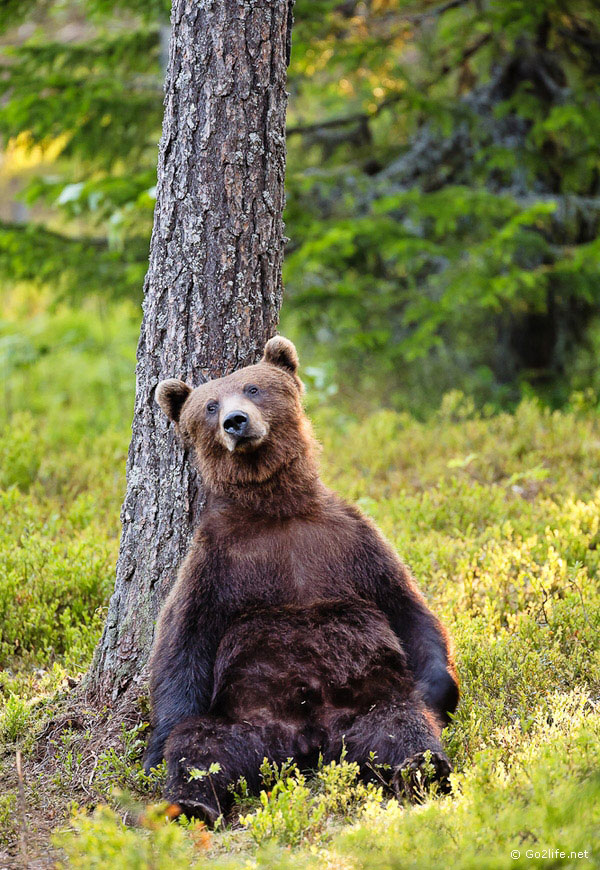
[(236, 423), (241, 425)]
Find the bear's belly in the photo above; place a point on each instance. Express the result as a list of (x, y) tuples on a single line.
[(305, 664)]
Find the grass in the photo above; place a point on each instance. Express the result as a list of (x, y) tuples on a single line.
[(499, 517)]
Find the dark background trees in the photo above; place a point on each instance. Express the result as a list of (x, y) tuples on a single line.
[(442, 184)]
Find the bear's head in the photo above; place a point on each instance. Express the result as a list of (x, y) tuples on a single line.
[(247, 426)]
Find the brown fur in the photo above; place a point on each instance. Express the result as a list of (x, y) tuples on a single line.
[(293, 624)]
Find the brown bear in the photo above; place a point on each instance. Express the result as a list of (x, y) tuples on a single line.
[(293, 630)]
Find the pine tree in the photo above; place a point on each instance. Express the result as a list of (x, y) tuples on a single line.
[(212, 291)]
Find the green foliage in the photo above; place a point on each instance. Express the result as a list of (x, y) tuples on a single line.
[(60, 367), (116, 775), (446, 233), (72, 267), (120, 770), (442, 184), (64, 391), (286, 814), (8, 808), (391, 259), (14, 719), (12, 12), (55, 575), (89, 114), (104, 841), (531, 792), (45, 82), (294, 810)]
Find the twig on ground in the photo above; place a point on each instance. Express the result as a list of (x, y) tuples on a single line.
[(22, 811)]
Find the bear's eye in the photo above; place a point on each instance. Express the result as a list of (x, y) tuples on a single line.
[(251, 390), (212, 408)]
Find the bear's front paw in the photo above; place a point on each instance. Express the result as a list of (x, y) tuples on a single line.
[(421, 773), (193, 809), (153, 756)]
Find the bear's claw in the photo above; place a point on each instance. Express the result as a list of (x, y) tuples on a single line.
[(415, 776)]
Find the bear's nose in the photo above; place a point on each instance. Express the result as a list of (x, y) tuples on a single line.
[(236, 423)]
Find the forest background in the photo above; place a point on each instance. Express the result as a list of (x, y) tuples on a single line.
[(442, 284)]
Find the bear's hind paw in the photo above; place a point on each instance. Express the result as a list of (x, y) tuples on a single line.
[(420, 774)]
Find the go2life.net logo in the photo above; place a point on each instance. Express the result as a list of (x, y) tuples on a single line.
[(551, 854)]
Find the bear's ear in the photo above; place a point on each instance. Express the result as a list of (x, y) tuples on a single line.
[(171, 395), (279, 351)]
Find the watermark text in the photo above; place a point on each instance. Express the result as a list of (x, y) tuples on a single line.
[(550, 854)]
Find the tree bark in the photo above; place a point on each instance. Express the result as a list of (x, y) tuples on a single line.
[(212, 292)]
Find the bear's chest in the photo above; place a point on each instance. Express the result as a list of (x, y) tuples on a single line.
[(292, 562)]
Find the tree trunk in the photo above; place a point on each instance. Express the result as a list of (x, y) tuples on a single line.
[(212, 292)]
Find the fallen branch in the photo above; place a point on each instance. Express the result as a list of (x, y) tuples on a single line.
[(22, 810)]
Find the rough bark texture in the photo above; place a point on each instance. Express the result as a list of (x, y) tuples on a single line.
[(213, 288)]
